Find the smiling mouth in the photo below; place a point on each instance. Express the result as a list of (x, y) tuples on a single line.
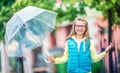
[(80, 30)]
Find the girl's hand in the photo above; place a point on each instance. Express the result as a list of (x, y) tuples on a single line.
[(109, 47), (51, 59)]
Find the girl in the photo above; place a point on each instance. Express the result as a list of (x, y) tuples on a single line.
[(80, 51)]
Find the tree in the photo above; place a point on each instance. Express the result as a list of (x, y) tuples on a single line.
[(45, 4), (5, 14), (100, 5)]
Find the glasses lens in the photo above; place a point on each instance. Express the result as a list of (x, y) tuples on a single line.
[(80, 25)]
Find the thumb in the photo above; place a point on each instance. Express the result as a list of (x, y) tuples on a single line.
[(50, 57), (111, 44)]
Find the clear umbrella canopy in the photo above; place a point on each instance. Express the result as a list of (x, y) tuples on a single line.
[(27, 29)]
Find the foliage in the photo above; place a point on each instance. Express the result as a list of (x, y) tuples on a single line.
[(45, 4), (69, 14), (5, 13), (103, 6), (68, 9)]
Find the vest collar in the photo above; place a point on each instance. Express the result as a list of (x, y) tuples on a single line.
[(77, 39), (80, 40)]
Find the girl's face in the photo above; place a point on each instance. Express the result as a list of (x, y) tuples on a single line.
[(80, 27)]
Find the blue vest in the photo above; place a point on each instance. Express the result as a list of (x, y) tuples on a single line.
[(79, 62)]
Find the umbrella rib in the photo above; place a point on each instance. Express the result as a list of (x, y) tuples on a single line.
[(18, 26), (31, 33), (44, 22), (15, 33), (20, 18)]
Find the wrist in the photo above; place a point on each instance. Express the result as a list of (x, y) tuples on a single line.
[(106, 51)]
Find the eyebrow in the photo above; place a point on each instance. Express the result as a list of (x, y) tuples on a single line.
[(80, 25)]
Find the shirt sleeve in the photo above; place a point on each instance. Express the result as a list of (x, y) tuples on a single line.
[(64, 58), (95, 57)]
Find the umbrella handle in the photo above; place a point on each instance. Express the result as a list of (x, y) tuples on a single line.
[(46, 60), (47, 52)]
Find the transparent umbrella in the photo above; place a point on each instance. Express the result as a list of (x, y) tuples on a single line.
[(27, 29)]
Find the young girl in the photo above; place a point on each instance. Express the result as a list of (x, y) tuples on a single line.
[(80, 51)]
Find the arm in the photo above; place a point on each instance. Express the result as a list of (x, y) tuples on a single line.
[(96, 57), (64, 58)]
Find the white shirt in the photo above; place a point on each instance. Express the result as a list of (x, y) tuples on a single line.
[(78, 42)]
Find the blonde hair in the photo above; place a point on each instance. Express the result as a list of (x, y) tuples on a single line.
[(86, 34)]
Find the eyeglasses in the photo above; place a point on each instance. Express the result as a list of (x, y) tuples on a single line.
[(80, 25)]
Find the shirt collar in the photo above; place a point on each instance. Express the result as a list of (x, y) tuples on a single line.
[(76, 39)]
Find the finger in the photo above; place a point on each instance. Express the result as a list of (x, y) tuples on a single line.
[(50, 57), (112, 44)]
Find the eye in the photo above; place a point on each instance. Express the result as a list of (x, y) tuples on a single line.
[(80, 25)]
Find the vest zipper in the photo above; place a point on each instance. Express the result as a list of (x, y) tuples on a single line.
[(78, 61), (79, 58), (78, 55)]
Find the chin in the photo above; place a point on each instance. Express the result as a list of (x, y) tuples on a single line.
[(79, 33)]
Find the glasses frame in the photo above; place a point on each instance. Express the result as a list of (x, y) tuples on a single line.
[(76, 25)]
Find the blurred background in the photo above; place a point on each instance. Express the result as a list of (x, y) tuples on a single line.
[(103, 17)]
